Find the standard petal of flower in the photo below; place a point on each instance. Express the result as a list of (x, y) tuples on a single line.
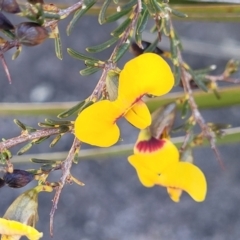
[(14, 228), (187, 177), (96, 125), (147, 73), (147, 177), (139, 115), (158, 154)]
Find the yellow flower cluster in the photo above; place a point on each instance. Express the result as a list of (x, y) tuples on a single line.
[(145, 74), (157, 163)]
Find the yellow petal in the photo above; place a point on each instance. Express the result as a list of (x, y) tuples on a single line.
[(187, 177), (147, 73), (147, 177), (138, 115), (96, 125), (174, 193), (14, 228), (159, 154)]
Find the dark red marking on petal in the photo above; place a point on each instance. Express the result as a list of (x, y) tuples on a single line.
[(150, 145)]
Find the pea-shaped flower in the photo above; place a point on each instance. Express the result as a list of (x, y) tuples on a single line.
[(145, 74), (157, 163)]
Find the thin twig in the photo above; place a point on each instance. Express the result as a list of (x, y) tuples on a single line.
[(63, 13), (186, 78), (222, 78), (24, 137), (66, 166), (6, 69)]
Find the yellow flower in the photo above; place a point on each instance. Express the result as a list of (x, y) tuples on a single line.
[(157, 163), (145, 74), (10, 229)]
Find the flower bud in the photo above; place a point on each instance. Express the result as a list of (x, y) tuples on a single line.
[(5, 24), (30, 33), (18, 178), (9, 6)]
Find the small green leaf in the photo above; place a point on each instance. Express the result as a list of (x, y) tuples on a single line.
[(55, 140), (58, 44), (3, 157), (43, 161), (40, 140), (72, 110), (150, 6), (128, 5), (177, 74), (31, 129), (178, 14), (25, 148), (47, 167), (9, 154), (152, 46), (141, 25), (51, 15), (64, 129), (46, 125), (205, 70), (80, 56), (200, 84), (121, 28), (20, 124), (78, 14), (9, 34), (217, 94), (76, 158), (86, 105), (185, 108), (121, 50), (58, 122), (166, 26), (102, 13), (89, 70), (17, 53), (114, 17), (102, 46)]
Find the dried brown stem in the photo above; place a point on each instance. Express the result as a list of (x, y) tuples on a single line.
[(24, 137), (186, 78), (6, 68), (66, 166), (222, 78), (65, 12)]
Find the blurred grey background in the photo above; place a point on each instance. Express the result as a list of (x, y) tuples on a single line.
[(113, 205)]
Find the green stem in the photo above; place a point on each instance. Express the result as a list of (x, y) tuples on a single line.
[(195, 11), (229, 96), (231, 136)]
